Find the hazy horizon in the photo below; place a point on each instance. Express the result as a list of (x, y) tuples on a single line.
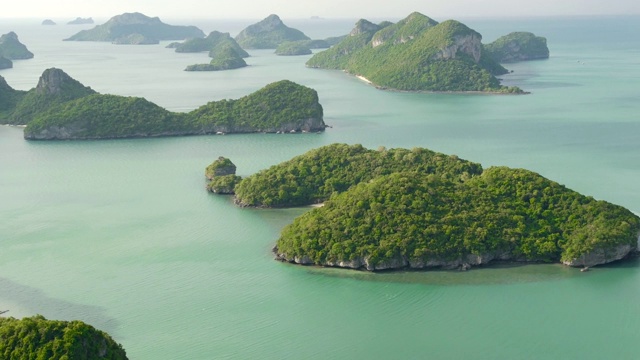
[(250, 9)]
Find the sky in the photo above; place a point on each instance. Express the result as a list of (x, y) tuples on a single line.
[(298, 9)]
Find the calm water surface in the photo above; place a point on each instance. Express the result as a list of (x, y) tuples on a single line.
[(122, 234)]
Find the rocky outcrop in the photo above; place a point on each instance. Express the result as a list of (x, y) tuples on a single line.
[(601, 256), (54, 81), (467, 44), (80, 21), (48, 22), (221, 167), (364, 26)]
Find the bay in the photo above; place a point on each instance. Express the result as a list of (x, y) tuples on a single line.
[(121, 233)]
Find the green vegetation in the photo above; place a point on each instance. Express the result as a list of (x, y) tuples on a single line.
[(224, 57), (313, 177), (9, 98), (221, 167), (410, 218), (214, 40), (282, 106), (135, 39), (268, 34), (12, 49), (293, 48), (415, 54), (39, 338), (54, 87), (123, 25), (223, 184), (518, 46)]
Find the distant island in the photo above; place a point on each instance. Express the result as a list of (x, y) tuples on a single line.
[(209, 43), (416, 54), (418, 209), (268, 34), (38, 338), (60, 108), (136, 28), (81, 21), (293, 48), (11, 48), (224, 57), (518, 46), (48, 22)]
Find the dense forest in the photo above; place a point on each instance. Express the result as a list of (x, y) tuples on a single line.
[(38, 338)]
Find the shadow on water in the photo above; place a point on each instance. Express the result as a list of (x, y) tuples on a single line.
[(32, 301)]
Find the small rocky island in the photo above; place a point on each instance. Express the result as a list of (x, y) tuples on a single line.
[(418, 209), (38, 338), (48, 22), (61, 108), (518, 46), (222, 176), (268, 34), (214, 40), (224, 57), (11, 48), (416, 54), (81, 21), (136, 28)]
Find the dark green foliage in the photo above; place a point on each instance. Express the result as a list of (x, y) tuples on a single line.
[(12, 49), (316, 44), (9, 98), (40, 339), (221, 167), (136, 23), (416, 54), (313, 177), (135, 39), (511, 213), (334, 39), (224, 184), (224, 57), (54, 87), (268, 34), (108, 116), (518, 46), (280, 106), (293, 48)]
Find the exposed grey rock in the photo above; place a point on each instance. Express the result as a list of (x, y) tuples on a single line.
[(601, 256)]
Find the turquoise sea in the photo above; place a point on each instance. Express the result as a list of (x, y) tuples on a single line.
[(122, 234)]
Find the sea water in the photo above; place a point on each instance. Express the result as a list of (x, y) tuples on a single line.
[(122, 234)]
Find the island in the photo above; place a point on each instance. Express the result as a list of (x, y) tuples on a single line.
[(60, 108), (12, 49), (214, 40), (129, 28), (416, 54), (268, 34), (38, 338), (518, 46), (416, 209), (81, 21), (48, 22), (5, 63), (224, 57), (293, 48), (222, 176)]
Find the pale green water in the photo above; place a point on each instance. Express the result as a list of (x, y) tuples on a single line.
[(121, 234)]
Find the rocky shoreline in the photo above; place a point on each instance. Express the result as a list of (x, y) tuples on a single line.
[(597, 257)]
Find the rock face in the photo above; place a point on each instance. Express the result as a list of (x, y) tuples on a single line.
[(221, 167), (222, 176), (364, 26), (12, 49), (121, 26), (54, 81), (601, 256), (518, 46), (268, 34), (467, 44)]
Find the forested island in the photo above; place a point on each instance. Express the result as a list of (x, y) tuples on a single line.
[(60, 108), (136, 28), (268, 34), (223, 57), (38, 338), (214, 40), (400, 208), (12, 49), (518, 46), (416, 54), (80, 21)]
